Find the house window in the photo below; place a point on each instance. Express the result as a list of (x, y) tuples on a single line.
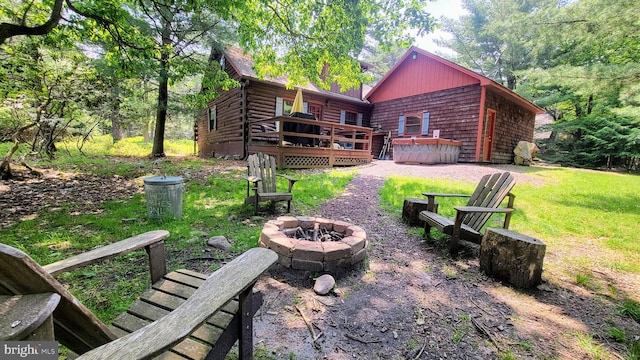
[(212, 118), (348, 117), (286, 106), (316, 110), (413, 124)]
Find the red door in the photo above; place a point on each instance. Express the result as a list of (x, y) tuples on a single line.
[(489, 127)]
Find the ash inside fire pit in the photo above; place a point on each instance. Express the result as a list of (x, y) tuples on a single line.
[(315, 244), (315, 234)]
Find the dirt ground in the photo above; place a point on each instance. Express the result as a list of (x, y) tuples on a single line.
[(408, 299)]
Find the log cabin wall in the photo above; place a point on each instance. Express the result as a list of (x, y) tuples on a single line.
[(261, 103), (228, 136), (513, 124), (259, 99), (453, 111)]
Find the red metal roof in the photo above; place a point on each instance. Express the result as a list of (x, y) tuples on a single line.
[(420, 72)]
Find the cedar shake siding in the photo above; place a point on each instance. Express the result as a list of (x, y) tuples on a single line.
[(454, 112), (513, 124)]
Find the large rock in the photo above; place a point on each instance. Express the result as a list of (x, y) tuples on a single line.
[(219, 242), (324, 284)]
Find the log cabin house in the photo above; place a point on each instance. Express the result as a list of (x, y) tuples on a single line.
[(254, 118), (421, 96)]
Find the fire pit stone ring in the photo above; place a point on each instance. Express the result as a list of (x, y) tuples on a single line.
[(314, 244)]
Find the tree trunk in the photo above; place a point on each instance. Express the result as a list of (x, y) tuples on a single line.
[(116, 126), (508, 255), (163, 91), (5, 166)]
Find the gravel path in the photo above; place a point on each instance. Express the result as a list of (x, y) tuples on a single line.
[(391, 307)]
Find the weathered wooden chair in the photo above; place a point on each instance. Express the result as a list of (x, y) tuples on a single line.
[(184, 315), (469, 220), (262, 180)]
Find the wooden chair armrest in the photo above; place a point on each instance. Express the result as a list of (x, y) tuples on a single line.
[(427, 194), (292, 181), (431, 199), (153, 241), (222, 286)]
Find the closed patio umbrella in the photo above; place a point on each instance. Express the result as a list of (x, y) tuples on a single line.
[(297, 103)]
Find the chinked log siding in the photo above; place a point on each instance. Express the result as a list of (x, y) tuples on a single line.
[(513, 124), (228, 137), (453, 111)]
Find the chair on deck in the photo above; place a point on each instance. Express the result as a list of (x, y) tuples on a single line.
[(262, 179), (469, 220), (184, 315)]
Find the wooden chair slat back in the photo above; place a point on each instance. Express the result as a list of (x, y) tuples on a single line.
[(264, 167), (494, 191), (479, 191), (75, 326)]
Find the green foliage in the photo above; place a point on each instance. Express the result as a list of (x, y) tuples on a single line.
[(102, 145), (617, 334), (300, 38), (630, 308), (634, 351)]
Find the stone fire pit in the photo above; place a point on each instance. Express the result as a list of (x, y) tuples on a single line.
[(314, 244)]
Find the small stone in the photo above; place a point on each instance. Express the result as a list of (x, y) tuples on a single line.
[(219, 242), (324, 284)]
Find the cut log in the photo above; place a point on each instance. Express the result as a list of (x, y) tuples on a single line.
[(508, 255), (411, 209)]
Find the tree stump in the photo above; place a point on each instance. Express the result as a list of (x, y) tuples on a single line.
[(511, 256), (411, 209)]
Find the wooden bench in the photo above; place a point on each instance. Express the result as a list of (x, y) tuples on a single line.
[(184, 315)]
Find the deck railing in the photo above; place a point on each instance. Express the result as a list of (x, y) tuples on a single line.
[(303, 143)]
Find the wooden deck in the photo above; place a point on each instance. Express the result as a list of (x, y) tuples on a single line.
[(300, 143)]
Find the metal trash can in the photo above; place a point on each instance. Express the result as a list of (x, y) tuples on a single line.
[(164, 196)]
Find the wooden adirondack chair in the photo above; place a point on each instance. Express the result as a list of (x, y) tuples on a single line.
[(469, 220), (261, 180), (184, 315)]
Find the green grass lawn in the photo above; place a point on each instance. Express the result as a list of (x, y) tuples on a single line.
[(590, 217)]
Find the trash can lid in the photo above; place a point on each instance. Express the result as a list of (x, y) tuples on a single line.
[(163, 180)]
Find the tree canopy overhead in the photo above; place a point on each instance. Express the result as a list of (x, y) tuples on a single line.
[(171, 40)]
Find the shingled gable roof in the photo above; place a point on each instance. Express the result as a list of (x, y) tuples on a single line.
[(243, 65), (484, 81)]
